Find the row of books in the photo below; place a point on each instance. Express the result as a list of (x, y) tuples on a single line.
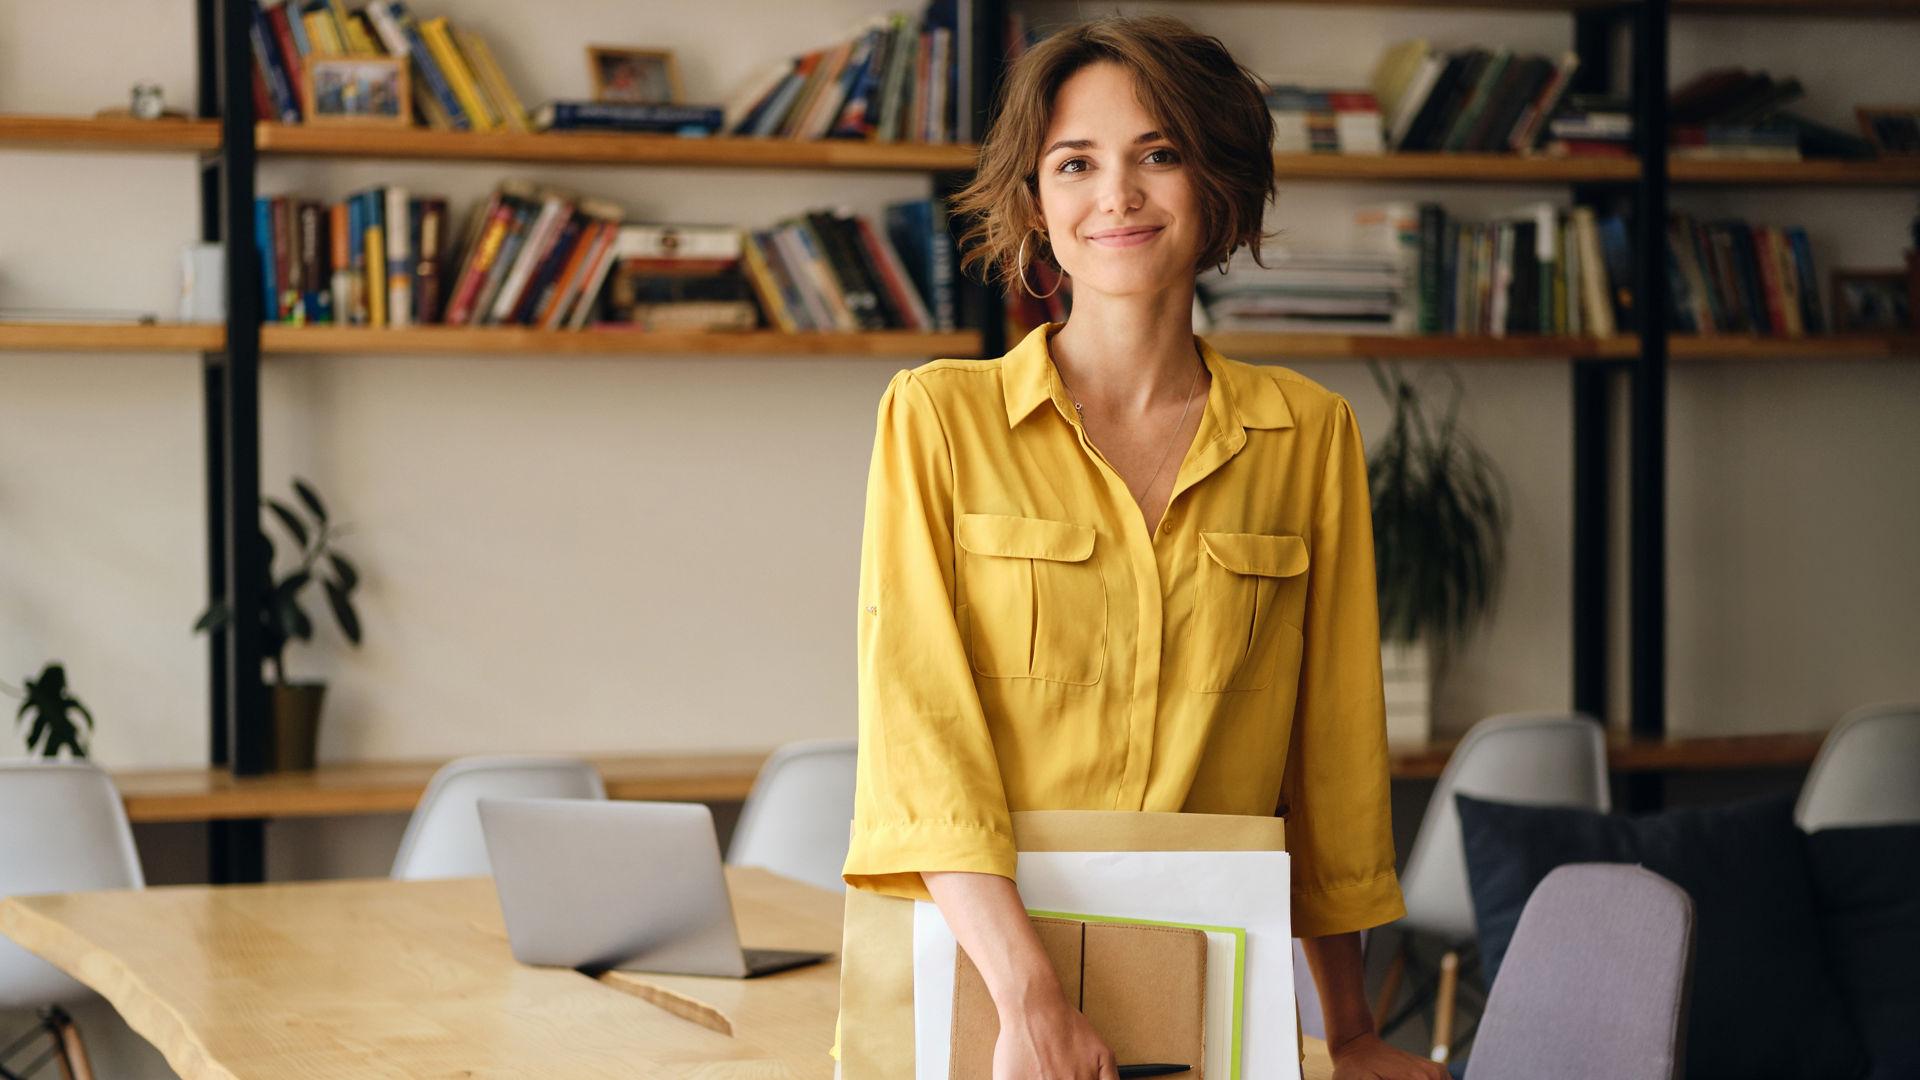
[(1472, 99), (1540, 270), (904, 77), (1322, 120), (457, 84), (545, 258), (1734, 277)]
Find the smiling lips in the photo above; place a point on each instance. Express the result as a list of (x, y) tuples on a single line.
[(1129, 237)]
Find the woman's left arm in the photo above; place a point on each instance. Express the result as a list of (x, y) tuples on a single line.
[(1358, 1054)]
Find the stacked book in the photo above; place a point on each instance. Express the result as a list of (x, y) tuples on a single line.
[(1304, 292), (1325, 121), (904, 77), (1592, 125), (836, 271), (457, 84), (1539, 270), (1733, 277), (1734, 113), (1474, 99)]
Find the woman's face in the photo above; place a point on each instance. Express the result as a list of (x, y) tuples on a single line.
[(1116, 197)]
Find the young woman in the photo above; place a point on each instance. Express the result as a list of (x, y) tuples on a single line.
[(1113, 569)]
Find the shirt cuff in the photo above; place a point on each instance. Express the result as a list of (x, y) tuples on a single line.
[(888, 857), (1346, 908)]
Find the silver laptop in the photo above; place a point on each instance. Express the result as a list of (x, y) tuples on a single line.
[(596, 885)]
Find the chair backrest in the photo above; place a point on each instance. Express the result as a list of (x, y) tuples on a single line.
[(1867, 771), (1596, 982), (1538, 759), (796, 818), (63, 828), (443, 837)]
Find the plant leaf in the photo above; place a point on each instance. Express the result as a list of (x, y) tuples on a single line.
[(343, 611), (311, 498), (216, 617), (289, 519), (349, 577)]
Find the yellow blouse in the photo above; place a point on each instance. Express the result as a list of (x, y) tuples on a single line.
[(1026, 645)]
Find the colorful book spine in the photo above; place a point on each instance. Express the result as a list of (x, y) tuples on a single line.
[(513, 114), (626, 116), (263, 241), (396, 220), (289, 52), (374, 241), (390, 21), (453, 67), (429, 249), (342, 263)]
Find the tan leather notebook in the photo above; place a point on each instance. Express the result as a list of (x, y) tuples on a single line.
[(1142, 987)]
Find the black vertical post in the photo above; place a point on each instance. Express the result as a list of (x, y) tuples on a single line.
[(1648, 469), (1593, 42), (979, 303), (235, 559)]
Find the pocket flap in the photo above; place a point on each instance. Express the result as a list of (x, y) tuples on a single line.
[(1024, 538), (1257, 553)]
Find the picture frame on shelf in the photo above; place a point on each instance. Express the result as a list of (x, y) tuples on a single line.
[(1894, 130), (633, 76), (1871, 301), (367, 91)]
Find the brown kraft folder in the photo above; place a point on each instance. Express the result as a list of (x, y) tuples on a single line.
[(876, 958), (1143, 988)]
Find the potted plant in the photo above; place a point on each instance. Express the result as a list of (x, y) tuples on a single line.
[(53, 708), (295, 706), (1439, 545)]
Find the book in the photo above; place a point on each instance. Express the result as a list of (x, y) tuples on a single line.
[(525, 213), (453, 68), (401, 37), (373, 226), (627, 116), (893, 273), (429, 221), (342, 276), (396, 221), (766, 288), (792, 300), (479, 57), (555, 210)]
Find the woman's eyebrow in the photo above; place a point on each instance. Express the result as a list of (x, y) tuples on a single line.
[(1086, 144)]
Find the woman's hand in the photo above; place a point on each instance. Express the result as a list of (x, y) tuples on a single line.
[(1050, 1041), (1365, 1057)]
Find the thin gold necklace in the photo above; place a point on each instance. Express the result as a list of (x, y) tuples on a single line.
[(1080, 411)]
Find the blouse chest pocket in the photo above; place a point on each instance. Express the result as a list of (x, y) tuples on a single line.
[(1250, 598), (1032, 604)]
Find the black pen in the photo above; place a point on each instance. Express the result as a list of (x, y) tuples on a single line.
[(1127, 1072)]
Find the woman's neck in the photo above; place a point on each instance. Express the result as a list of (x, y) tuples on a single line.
[(1126, 355)]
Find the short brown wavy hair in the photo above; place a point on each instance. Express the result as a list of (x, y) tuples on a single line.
[(1209, 107)]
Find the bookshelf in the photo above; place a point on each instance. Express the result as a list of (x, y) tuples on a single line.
[(110, 337), (495, 341), (26, 132)]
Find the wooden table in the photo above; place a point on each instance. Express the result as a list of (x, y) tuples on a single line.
[(394, 787), (207, 794), (398, 980)]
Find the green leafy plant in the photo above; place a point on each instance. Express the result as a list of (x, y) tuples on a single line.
[(53, 708), (1439, 520), (282, 619)]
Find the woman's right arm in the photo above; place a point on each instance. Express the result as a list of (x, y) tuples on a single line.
[(1042, 1036)]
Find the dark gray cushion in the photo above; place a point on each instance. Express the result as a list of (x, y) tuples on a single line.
[(1866, 887), (1764, 1003)]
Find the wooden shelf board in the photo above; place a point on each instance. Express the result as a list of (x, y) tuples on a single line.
[(1738, 347), (1627, 754), (1481, 168), (1892, 171), (1248, 346), (1822, 8), (118, 135), (465, 340), (207, 794), (1464, 5), (609, 148), (111, 337)]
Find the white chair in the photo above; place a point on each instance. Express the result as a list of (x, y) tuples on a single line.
[(1538, 759), (63, 828), (443, 837), (796, 818), (1867, 771)]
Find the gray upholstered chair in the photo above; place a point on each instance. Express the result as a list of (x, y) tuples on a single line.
[(1539, 759), (1867, 772), (1595, 983)]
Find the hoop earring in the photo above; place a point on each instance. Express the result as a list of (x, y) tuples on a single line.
[(1020, 260), (1223, 266)]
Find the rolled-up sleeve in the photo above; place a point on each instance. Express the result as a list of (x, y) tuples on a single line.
[(928, 793), (1334, 792)]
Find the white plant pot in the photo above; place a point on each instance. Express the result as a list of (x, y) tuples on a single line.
[(1409, 691)]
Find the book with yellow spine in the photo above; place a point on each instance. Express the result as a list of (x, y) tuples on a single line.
[(360, 39), (447, 55), (321, 36), (376, 255), (513, 115)]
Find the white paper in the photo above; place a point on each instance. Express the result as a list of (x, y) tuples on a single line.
[(1246, 889)]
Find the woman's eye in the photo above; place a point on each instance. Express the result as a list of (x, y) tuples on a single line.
[(1065, 165), (1171, 157)]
